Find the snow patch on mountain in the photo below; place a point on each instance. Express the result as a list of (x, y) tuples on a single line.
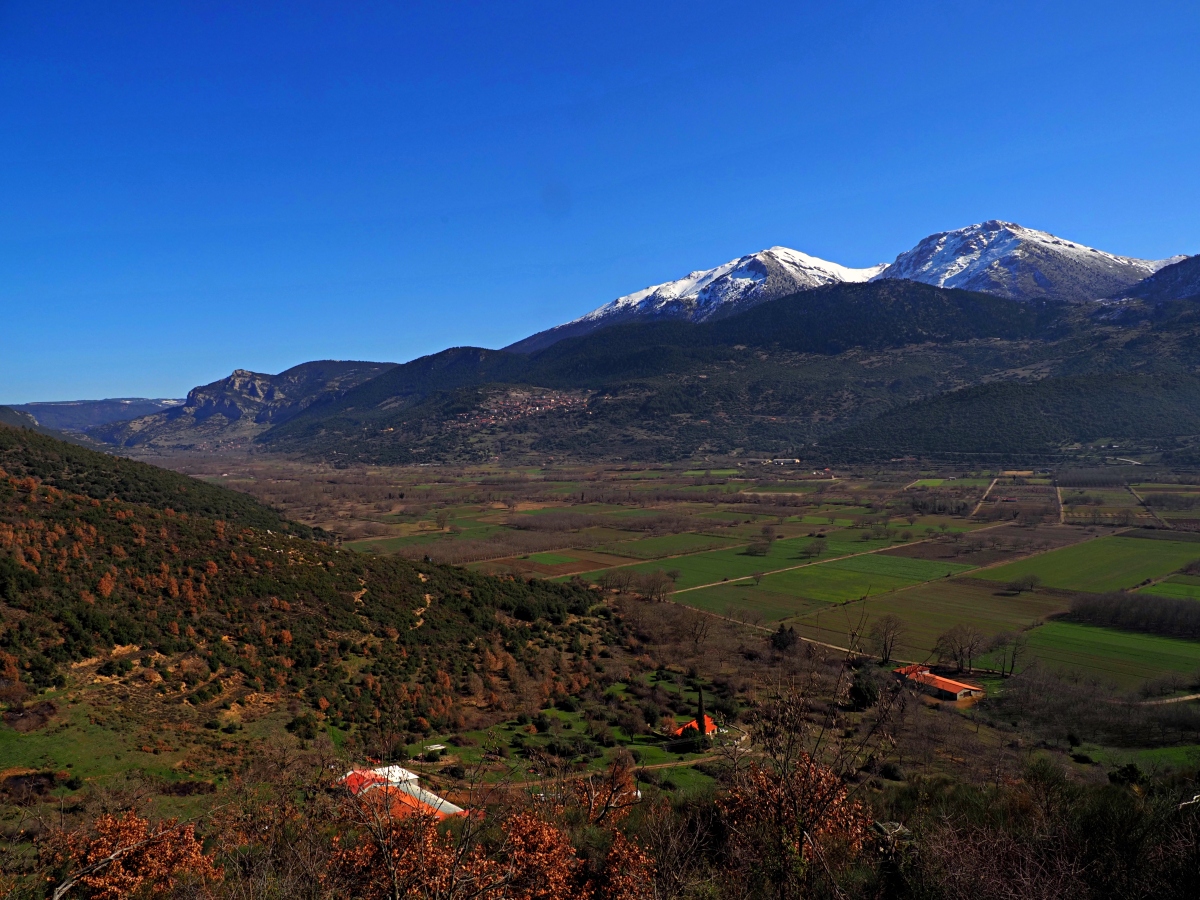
[(755, 278), (1017, 262)]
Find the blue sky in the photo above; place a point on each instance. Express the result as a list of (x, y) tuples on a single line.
[(188, 188)]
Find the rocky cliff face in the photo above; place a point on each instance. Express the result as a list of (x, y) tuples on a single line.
[(234, 410)]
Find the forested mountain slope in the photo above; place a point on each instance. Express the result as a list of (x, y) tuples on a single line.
[(100, 476), (771, 378), (1174, 282), (227, 608), (1014, 419)]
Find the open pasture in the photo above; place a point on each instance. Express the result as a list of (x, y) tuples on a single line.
[(1124, 657), (732, 563), (844, 580), (1107, 564), (1186, 587), (928, 610), (829, 584), (747, 602)]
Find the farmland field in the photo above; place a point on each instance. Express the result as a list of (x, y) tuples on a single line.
[(1121, 656), (928, 610), (1106, 564), (1185, 586), (747, 601), (669, 545), (726, 565), (928, 558)]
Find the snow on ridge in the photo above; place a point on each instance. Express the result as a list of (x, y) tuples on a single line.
[(706, 290), (954, 258)]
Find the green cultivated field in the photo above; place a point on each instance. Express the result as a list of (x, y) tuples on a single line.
[(1121, 656), (912, 570), (831, 584), (796, 592), (736, 600), (1184, 586), (928, 610), (716, 565), (551, 559), (849, 579), (1107, 564)]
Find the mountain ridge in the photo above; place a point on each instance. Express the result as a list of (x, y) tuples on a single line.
[(1009, 260), (240, 406), (1178, 281), (707, 294), (79, 415)]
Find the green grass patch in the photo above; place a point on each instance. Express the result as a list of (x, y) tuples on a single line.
[(733, 563), (914, 570), (1106, 564), (1125, 657), (748, 602), (551, 559), (927, 610), (830, 584), (1186, 587)]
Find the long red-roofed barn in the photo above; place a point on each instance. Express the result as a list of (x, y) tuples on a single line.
[(940, 687)]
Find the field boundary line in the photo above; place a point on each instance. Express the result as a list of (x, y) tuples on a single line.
[(1168, 700), (1146, 507), (983, 499)]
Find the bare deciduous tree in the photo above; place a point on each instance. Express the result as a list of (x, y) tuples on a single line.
[(884, 635), (961, 644)]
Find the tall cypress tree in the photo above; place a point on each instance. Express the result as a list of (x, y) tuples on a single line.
[(701, 730)]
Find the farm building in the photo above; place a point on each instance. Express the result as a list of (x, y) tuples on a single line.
[(942, 688), (710, 727), (398, 788)]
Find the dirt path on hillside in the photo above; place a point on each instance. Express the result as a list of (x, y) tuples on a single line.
[(983, 499)]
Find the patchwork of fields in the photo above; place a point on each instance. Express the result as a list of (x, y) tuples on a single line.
[(1107, 564), (829, 555)]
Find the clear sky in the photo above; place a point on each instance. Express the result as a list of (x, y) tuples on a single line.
[(189, 188)]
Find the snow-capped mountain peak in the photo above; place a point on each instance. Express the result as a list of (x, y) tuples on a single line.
[(738, 283), (711, 293), (1020, 263)]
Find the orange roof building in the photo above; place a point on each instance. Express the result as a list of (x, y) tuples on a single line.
[(410, 800), (942, 688), (710, 727), (399, 789)]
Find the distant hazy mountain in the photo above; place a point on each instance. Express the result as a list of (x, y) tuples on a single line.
[(79, 415), (1020, 263), (709, 293), (1177, 281), (238, 408)]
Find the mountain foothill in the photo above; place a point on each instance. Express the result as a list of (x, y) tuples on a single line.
[(773, 353)]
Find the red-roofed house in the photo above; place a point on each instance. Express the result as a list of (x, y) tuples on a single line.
[(710, 727), (399, 789), (942, 688)]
